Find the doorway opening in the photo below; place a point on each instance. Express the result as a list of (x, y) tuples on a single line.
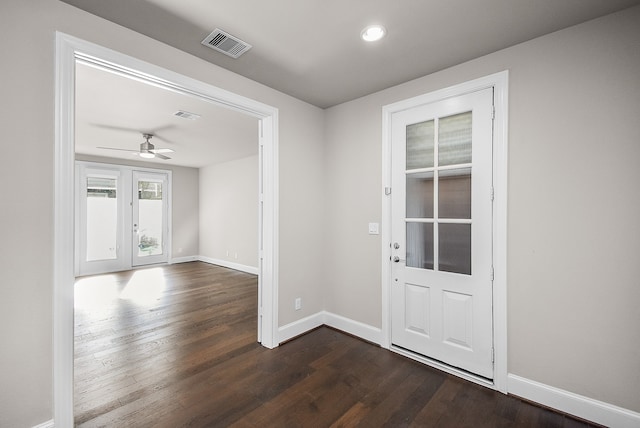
[(69, 50)]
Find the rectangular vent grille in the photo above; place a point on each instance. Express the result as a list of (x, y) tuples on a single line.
[(186, 115), (226, 43)]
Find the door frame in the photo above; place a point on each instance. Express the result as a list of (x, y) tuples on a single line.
[(499, 82), (68, 50)]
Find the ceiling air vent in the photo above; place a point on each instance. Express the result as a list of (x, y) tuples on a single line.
[(186, 115), (226, 43)]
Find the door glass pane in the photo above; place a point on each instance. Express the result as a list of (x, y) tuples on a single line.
[(149, 218), (420, 145), (454, 196), (420, 245), (102, 218), (420, 195), (454, 248), (454, 139)]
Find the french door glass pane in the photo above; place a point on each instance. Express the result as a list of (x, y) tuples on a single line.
[(454, 248), (454, 139), (420, 195), (149, 218), (420, 245), (454, 196), (102, 218), (420, 143)]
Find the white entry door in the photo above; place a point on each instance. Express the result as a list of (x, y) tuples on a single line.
[(150, 211), (442, 274)]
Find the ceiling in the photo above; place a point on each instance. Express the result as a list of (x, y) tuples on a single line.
[(309, 49), (114, 111)]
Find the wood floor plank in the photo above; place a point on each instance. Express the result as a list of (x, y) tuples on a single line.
[(182, 352)]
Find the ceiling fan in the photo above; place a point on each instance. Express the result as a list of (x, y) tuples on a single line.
[(147, 149)]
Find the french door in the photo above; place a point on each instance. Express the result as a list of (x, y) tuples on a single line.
[(441, 230), (149, 218), (122, 218)]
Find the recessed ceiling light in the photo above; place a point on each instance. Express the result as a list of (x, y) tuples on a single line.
[(373, 33)]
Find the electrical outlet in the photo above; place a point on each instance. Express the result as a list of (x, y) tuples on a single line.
[(298, 304)]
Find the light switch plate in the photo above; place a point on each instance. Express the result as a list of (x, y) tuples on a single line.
[(374, 229)]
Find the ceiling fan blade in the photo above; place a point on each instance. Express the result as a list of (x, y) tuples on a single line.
[(150, 131), (137, 131), (115, 148), (158, 155), (162, 151)]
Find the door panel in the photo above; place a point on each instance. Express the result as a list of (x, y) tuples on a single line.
[(458, 319), (149, 218), (442, 224), (101, 220), (417, 308)]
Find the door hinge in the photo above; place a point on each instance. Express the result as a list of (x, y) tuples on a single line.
[(493, 355), (492, 194), (493, 112), (491, 274), (387, 191)]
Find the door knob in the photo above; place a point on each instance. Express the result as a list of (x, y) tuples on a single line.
[(396, 259)]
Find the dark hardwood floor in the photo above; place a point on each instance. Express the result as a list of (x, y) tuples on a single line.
[(175, 346)]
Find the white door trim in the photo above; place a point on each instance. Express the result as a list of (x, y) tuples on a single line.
[(69, 49), (499, 81)]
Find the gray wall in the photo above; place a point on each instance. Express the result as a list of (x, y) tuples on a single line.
[(26, 270), (229, 211), (185, 203), (573, 205)]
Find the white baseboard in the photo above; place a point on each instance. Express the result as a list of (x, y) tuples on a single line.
[(356, 328), (186, 259), (224, 263), (296, 328), (573, 404), (48, 424)]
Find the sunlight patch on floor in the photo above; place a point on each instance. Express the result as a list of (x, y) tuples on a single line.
[(95, 291), (145, 287), (101, 291)]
